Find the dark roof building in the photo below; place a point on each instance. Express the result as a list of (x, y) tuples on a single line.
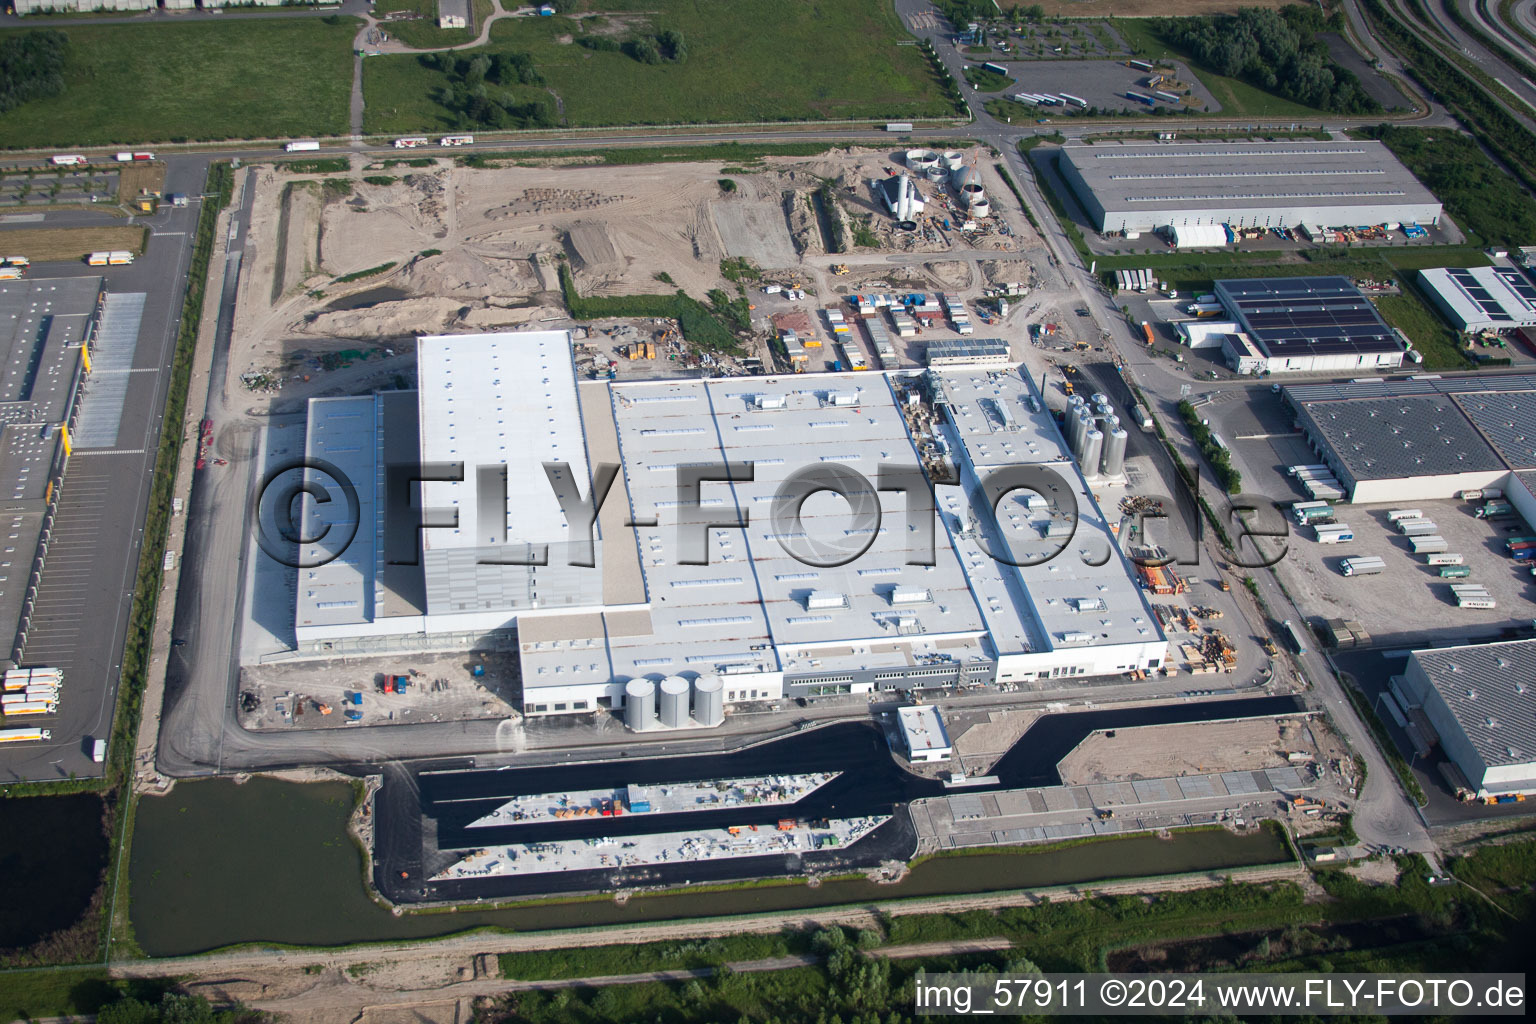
[(1300, 324)]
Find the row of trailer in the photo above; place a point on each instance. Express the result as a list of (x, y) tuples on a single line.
[(1318, 481), (115, 258), (1046, 99), (31, 691)]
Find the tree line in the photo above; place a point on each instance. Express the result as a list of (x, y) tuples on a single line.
[(32, 67), (667, 47), (1278, 51)]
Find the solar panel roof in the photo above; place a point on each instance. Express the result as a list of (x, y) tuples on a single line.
[(1307, 315)]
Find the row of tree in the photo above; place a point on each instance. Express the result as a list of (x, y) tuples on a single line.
[(32, 67), (1278, 51)]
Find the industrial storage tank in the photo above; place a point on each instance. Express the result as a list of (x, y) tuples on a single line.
[(709, 700), (971, 194), (1080, 422), (674, 702), (1114, 452), (980, 208), (936, 174), (1100, 398), (640, 704), (962, 176), (922, 159), (953, 161), (1093, 451)]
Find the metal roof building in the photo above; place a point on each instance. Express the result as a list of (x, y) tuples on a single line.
[(1299, 324), (1482, 298), (1481, 699), (923, 734), (777, 597), (1423, 437), (1149, 186)]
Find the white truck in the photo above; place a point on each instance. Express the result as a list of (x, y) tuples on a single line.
[(25, 735), (302, 147)]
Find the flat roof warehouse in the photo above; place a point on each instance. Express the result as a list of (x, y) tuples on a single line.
[(1149, 186), (764, 619)]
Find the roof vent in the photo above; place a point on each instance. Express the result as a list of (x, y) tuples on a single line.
[(1491, 722)]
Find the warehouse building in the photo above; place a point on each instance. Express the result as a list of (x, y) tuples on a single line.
[(1481, 701), (1305, 324), (1424, 438), (717, 582), (1476, 299), (1139, 187)]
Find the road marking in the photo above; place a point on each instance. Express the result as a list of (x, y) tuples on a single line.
[(111, 451)]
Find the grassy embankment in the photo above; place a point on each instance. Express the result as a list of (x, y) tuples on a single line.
[(236, 79), (757, 62)]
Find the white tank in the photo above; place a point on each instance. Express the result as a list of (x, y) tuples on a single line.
[(1100, 398), (980, 208), (936, 174), (922, 159), (709, 700), (1093, 450), (1079, 420), (953, 160), (962, 176), (673, 706), (971, 194), (640, 704), (1114, 453)]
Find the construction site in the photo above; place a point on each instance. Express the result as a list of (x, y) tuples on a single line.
[(451, 248)]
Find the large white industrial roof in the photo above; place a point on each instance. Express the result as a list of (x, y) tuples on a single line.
[(1180, 176), (1044, 606), (499, 399), (344, 432)]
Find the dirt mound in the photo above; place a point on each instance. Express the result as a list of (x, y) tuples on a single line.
[(469, 275), (385, 319)]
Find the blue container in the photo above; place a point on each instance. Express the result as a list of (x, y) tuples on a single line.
[(357, 697)]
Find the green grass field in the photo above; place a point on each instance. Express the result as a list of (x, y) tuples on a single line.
[(1235, 97), (775, 60), (985, 79), (258, 78)]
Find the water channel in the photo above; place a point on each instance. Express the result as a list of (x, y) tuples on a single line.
[(218, 863)]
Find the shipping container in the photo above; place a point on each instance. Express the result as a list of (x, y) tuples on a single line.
[(1397, 515), (302, 147), (1455, 572), (1367, 566), (25, 735), (1477, 602), (1336, 533), (1443, 558), (1316, 467), (1431, 545)]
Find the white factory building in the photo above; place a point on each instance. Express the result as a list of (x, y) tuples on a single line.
[(1424, 438), (1144, 186), (1475, 299), (753, 600), (1480, 700)]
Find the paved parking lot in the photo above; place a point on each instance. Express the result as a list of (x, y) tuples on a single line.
[(1103, 83)]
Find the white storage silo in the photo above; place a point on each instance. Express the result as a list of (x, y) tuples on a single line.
[(936, 174), (953, 161), (980, 208), (709, 700), (1114, 452), (640, 704), (1093, 451), (673, 705)]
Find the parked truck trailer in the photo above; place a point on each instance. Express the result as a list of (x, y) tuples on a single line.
[(25, 735)]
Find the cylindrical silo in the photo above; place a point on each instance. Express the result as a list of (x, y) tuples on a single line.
[(1093, 451), (1100, 398), (640, 704), (971, 194), (1078, 419), (709, 700), (953, 161), (962, 176), (1114, 453), (673, 706), (936, 174), (980, 208)]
